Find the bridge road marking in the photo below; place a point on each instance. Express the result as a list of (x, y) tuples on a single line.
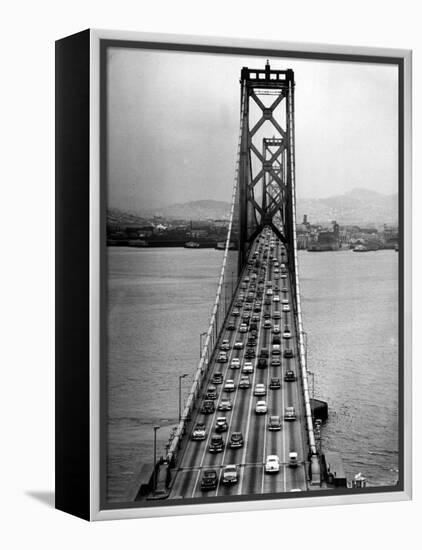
[(224, 379), (251, 398)]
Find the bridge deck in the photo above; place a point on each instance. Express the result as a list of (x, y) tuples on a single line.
[(259, 441)]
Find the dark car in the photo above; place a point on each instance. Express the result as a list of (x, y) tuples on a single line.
[(267, 302), (262, 363), (276, 339), (209, 480), (253, 326), (211, 393), (275, 384), (250, 353), (288, 353), (289, 376), (217, 444), (264, 352), (208, 407), (217, 378), (236, 440), (231, 326), (251, 343), (275, 362)]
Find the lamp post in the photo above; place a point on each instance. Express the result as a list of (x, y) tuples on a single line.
[(306, 347), (180, 395), (200, 343), (155, 428)]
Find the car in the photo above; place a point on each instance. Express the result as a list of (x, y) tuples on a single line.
[(276, 339), (285, 301), (276, 349), (238, 345), (207, 407), (272, 464), (276, 298), (256, 318), (285, 289), (289, 376), (209, 480), (276, 329), (276, 315), (260, 390), (261, 407), (217, 378), (275, 384), (246, 280), (248, 307), (238, 303), (276, 270), (229, 386), (250, 353), (287, 334), (262, 363), (244, 382), (267, 324), (253, 327), (231, 326), (269, 284), (211, 393), (289, 413), (199, 432), (221, 424), (225, 405), (275, 362), (284, 276), (264, 353), (222, 357), (269, 291), (276, 289), (236, 440), (274, 423), (246, 316), (267, 302), (216, 444), (251, 343), (247, 367), (243, 327), (230, 474), (235, 313), (257, 308), (267, 315), (293, 459), (235, 363), (286, 308), (288, 353)]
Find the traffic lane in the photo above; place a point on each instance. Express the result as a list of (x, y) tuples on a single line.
[(252, 479)]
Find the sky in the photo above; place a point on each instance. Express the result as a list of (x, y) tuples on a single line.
[(173, 126)]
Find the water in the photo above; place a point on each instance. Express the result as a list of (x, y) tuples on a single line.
[(160, 300)]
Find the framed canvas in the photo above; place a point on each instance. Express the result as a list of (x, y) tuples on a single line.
[(233, 274)]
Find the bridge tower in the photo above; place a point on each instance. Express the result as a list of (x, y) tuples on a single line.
[(266, 168)]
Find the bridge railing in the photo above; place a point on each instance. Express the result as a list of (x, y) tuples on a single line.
[(315, 470), (227, 285)]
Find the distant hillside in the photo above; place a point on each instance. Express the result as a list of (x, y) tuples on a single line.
[(359, 206)]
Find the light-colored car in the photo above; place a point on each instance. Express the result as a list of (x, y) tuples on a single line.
[(230, 474), (286, 308), (247, 367), (199, 433), (284, 301), (243, 327), (269, 291), (272, 464), (274, 423), (229, 386), (293, 459), (261, 407), (238, 345), (267, 323), (244, 382), (287, 333), (222, 357), (235, 363), (276, 329), (276, 298), (276, 315), (276, 349), (260, 389), (225, 405), (289, 413)]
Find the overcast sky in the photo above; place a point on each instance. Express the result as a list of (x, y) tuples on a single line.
[(174, 124)]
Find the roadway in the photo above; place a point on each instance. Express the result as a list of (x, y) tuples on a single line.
[(259, 441)]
